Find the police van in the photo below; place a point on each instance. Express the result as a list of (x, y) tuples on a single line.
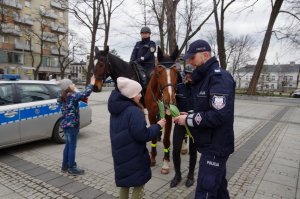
[(29, 111)]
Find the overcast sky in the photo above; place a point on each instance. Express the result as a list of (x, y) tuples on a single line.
[(125, 31)]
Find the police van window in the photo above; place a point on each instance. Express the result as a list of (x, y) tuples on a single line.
[(33, 92), (6, 94)]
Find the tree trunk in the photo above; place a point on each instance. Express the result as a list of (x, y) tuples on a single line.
[(91, 61), (264, 49), (171, 9), (221, 48)]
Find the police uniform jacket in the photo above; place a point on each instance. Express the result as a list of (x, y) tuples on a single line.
[(212, 98), (143, 53)]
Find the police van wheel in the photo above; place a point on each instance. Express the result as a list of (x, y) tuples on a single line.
[(58, 134)]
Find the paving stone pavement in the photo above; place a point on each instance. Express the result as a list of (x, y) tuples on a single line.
[(265, 164)]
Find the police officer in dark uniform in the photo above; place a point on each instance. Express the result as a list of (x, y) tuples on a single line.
[(183, 92), (143, 52), (211, 123)]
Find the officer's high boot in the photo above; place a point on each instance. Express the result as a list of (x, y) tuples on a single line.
[(192, 164), (177, 178)]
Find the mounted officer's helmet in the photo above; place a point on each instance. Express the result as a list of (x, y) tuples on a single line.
[(188, 68), (145, 29)]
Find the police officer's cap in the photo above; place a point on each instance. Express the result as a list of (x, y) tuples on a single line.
[(188, 68), (195, 47), (145, 29)]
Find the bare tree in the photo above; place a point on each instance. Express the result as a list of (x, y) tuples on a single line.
[(190, 17), (108, 9), (265, 46), (88, 13), (66, 54), (220, 8), (239, 52)]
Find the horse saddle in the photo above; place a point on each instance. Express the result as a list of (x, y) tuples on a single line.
[(141, 74)]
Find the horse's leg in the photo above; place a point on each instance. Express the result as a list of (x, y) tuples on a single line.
[(152, 120), (165, 169)]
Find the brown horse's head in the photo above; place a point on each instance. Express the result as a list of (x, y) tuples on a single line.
[(100, 68), (166, 74)]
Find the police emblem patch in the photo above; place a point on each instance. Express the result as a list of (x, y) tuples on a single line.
[(152, 49), (198, 119), (218, 102)]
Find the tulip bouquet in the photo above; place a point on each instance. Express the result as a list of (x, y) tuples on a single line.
[(174, 113)]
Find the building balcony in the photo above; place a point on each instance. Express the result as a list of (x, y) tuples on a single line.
[(49, 14), (26, 21), (11, 3), (50, 37), (21, 46), (10, 30), (54, 51), (58, 28), (58, 5)]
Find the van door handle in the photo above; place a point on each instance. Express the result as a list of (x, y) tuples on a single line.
[(10, 114), (52, 107)]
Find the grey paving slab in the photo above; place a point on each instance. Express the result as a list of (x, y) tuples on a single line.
[(281, 179), (89, 193), (18, 163), (27, 166), (48, 176), (73, 187), (36, 171), (277, 190), (60, 181), (8, 158)]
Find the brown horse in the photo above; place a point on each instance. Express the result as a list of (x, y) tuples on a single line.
[(162, 87)]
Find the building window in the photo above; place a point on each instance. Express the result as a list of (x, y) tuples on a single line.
[(15, 58), (61, 14), (272, 86), (28, 4), (54, 61), (262, 77), (285, 78), (273, 77), (247, 77), (3, 38), (291, 77)]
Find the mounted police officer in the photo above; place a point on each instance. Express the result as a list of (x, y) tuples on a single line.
[(183, 93), (143, 52), (211, 123)]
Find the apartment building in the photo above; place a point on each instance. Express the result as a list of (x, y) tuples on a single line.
[(282, 77), (33, 33)]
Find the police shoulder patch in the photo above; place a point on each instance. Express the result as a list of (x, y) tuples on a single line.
[(152, 49), (218, 102)]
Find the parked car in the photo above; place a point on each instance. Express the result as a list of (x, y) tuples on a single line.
[(296, 93), (29, 111)]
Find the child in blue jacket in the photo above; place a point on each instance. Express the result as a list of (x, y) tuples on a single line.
[(69, 102), (129, 135)]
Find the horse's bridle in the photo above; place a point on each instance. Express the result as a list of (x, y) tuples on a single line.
[(161, 88)]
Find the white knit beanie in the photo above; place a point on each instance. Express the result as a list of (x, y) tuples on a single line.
[(129, 88), (65, 83)]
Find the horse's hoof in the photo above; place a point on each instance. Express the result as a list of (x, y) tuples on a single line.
[(184, 151), (164, 171)]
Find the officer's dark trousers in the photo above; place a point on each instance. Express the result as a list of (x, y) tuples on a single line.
[(178, 137), (211, 182)]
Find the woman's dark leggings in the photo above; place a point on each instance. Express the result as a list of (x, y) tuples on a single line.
[(178, 137)]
